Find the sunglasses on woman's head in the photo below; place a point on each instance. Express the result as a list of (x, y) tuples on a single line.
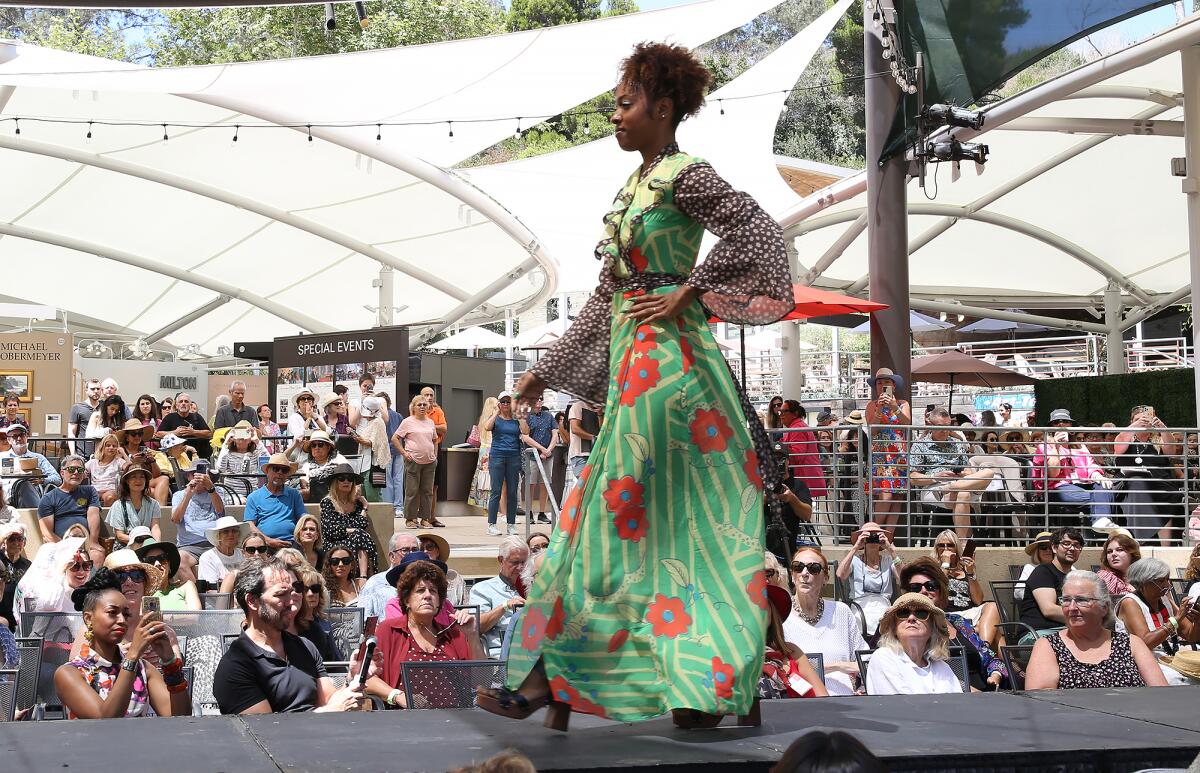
[(917, 587), (907, 612), (344, 561), (814, 568), (252, 549), (137, 575)]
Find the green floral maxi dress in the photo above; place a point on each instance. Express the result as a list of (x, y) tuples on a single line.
[(652, 595)]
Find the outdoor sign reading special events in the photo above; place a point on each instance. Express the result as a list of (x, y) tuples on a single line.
[(322, 361)]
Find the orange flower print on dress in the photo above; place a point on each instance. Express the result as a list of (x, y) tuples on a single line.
[(639, 377), (722, 674), (645, 339), (624, 500), (562, 691), (638, 260), (757, 588), (554, 627), (631, 523), (533, 628), (710, 430), (568, 518), (667, 616), (751, 468), (689, 356)]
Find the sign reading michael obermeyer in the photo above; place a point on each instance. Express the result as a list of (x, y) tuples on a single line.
[(321, 362)]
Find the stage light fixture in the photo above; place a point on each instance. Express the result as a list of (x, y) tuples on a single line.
[(953, 150), (949, 115), (360, 8)]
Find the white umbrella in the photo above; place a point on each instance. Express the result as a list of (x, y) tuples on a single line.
[(917, 323), (471, 338)]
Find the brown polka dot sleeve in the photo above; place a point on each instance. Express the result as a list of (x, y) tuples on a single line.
[(578, 362), (745, 278)]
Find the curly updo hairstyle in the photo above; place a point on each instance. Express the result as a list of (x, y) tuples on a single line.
[(659, 71), (417, 571), (85, 596)]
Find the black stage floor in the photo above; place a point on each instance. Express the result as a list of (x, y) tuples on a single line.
[(1083, 730)]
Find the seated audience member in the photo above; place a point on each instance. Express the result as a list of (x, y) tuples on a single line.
[(421, 588), (341, 577), (9, 657), (1074, 476), (275, 509), (133, 507), (335, 413), (913, 649), (940, 466), (438, 549), (1086, 653), (304, 418), (1147, 613), (500, 596), (310, 622), (195, 509), (344, 519), (1144, 455), (8, 513), (985, 669), (104, 682), (268, 670), (318, 465), (871, 573), (787, 672), (72, 503), (1193, 572), (820, 625), (239, 457), (186, 422), (146, 413), (108, 418), (177, 594), (1119, 553), (137, 579), (822, 752), (225, 556), (138, 535), (306, 538), (776, 574), (136, 452), (393, 610), (377, 591), (181, 457), (57, 569), (966, 594), (1040, 609), (1040, 551), (253, 545), (105, 467), (537, 542), (12, 410), (13, 561), (19, 491)]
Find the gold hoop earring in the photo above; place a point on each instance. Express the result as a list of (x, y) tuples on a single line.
[(88, 634)]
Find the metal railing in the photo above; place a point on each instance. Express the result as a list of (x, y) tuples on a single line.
[(998, 485)]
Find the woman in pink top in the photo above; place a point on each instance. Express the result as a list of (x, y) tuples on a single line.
[(417, 435), (803, 457), (1073, 474)]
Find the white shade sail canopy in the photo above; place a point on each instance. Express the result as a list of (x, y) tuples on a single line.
[(471, 338), (293, 229), (738, 143), (1077, 194)]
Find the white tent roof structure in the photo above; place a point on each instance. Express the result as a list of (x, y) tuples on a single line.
[(1077, 195), (209, 240), (471, 338), (738, 143)]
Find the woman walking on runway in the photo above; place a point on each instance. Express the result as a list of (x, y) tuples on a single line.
[(652, 596)]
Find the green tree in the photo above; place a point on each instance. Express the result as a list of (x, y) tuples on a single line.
[(91, 32)]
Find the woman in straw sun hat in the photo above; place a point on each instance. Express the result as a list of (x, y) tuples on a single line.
[(913, 650)]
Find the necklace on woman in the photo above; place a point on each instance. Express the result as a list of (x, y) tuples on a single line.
[(813, 619)]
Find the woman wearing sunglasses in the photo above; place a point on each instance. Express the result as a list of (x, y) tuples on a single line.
[(341, 577), (310, 623), (57, 569), (913, 648), (966, 593), (253, 546), (1148, 613), (984, 668), (820, 625), (225, 557), (344, 520), (1086, 653), (177, 594)]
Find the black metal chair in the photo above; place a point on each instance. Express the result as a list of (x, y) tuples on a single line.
[(347, 625), (226, 640), (958, 664), (863, 658), (1016, 660), (8, 693), (216, 600), (818, 663), (475, 609), (1014, 631), (29, 649), (189, 673), (1014, 571), (449, 685), (1006, 602)]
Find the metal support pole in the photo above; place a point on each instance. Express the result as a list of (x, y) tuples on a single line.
[(387, 287), (1191, 184), (836, 362), (1115, 342), (791, 372), (887, 215)]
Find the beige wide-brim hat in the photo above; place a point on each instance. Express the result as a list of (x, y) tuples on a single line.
[(295, 401), (279, 460), (855, 417), (440, 541), (125, 558), (132, 425), (1042, 538), (227, 522), (887, 623), (869, 526), (326, 399), (1186, 662), (243, 430)]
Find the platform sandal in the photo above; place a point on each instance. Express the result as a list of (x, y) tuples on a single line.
[(514, 705)]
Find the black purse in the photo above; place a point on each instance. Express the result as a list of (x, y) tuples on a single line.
[(377, 476)]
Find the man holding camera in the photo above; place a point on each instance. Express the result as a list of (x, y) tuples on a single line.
[(939, 466), (195, 509), (795, 505)]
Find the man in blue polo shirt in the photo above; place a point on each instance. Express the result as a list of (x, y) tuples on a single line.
[(273, 510)]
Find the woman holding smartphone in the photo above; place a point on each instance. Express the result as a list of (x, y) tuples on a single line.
[(965, 597), (888, 477)]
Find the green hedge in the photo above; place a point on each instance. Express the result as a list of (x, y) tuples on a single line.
[(1094, 400)]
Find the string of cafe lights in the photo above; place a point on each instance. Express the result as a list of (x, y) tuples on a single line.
[(521, 123)]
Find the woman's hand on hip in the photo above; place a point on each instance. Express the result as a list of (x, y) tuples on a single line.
[(655, 308)]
